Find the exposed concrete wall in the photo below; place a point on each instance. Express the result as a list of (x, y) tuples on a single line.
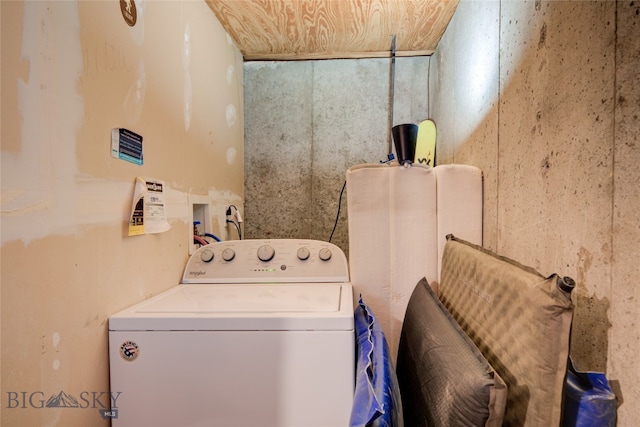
[(543, 97), (306, 123), (624, 336), (72, 71)]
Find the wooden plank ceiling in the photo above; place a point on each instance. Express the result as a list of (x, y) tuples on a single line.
[(324, 29)]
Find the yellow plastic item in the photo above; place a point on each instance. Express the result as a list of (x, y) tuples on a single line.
[(426, 143)]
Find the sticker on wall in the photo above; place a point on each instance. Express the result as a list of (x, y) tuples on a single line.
[(126, 145), (129, 351), (129, 12), (148, 212)]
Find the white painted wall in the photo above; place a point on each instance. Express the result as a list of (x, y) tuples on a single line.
[(72, 71)]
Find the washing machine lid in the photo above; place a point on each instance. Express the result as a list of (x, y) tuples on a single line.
[(250, 307)]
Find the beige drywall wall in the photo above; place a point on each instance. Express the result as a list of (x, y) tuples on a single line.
[(72, 71), (543, 97)]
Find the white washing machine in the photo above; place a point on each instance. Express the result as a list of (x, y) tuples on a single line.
[(258, 334)]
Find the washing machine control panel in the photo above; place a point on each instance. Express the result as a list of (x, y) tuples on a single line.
[(267, 261)]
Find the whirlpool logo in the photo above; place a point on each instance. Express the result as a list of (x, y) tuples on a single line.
[(105, 402)]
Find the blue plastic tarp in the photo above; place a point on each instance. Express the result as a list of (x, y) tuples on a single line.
[(589, 400), (377, 395)]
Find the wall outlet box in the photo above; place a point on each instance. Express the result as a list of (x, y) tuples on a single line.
[(199, 210)]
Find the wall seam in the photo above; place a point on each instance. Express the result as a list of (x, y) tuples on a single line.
[(312, 143), (613, 176), (429, 90), (499, 130)]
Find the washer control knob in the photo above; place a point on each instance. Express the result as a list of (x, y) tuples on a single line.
[(266, 253), (228, 254), (325, 254), (303, 254), (206, 255)]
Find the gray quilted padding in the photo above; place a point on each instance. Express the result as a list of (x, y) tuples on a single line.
[(521, 322), (444, 379)]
